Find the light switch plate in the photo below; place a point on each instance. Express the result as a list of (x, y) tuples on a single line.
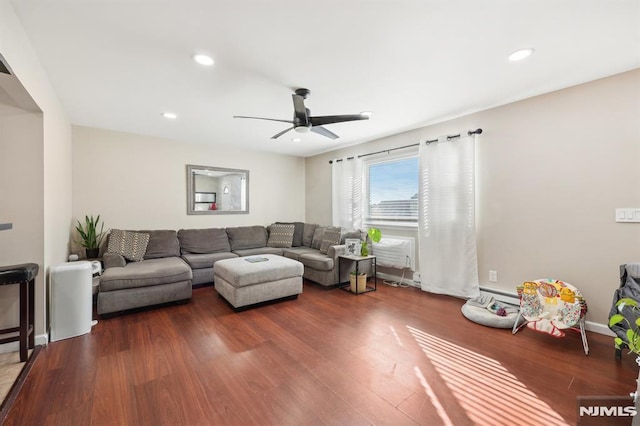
[(628, 214)]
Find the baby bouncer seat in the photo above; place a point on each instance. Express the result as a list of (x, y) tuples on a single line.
[(552, 306)]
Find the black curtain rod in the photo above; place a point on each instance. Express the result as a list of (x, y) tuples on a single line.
[(374, 153), (469, 133)]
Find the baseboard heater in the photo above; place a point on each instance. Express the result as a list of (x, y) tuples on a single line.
[(501, 295), (395, 252)]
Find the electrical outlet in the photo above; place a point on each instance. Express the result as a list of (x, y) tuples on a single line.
[(416, 277), (493, 276)]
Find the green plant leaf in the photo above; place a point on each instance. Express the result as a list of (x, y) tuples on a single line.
[(616, 319), (619, 342), (375, 234), (627, 301), (630, 338)]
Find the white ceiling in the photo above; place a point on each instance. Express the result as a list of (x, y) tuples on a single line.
[(117, 64)]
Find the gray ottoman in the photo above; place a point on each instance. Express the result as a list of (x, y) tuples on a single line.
[(243, 282)]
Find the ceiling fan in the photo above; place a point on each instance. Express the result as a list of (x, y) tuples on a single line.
[(303, 122)]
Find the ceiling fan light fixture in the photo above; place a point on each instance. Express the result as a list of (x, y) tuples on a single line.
[(304, 122), (521, 54), (203, 59)]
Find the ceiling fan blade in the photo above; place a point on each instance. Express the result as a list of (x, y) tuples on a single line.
[(277, 135), (262, 118), (329, 119), (324, 132), (299, 110)]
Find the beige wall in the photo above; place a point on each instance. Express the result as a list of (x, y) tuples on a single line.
[(139, 182), (39, 163), (551, 171), (21, 193)]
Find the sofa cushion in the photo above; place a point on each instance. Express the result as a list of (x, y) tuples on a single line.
[(211, 240), (307, 234), (298, 232), (318, 236), (162, 243), (128, 244), (146, 273), (295, 252), (331, 237), (247, 237), (205, 260), (280, 235), (317, 261)]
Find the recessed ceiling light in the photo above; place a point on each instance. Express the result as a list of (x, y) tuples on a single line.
[(521, 54), (169, 115), (203, 59), (295, 139), (366, 113)]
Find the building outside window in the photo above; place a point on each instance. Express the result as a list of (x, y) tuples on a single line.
[(391, 190)]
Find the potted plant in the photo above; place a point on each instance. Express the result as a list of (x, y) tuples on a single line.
[(633, 330), (90, 236), (358, 282), (632, 334), (374, 234)]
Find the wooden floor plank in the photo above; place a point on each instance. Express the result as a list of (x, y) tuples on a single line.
[(394, 356), (361, 398)]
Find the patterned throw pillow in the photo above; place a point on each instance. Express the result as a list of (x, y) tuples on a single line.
[(331, 238), (130, 245), (281, 235), (298, 232)]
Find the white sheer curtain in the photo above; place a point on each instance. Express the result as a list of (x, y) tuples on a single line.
[(347, 193), (448, 259)]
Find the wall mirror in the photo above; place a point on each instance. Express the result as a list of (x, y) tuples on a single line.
[(216, 190)]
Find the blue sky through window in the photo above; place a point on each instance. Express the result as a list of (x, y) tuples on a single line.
[(393, 180)]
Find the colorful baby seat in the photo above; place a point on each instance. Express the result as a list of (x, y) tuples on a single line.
[(551, 306)]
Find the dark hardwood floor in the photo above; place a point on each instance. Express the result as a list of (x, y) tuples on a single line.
[(392, 357)]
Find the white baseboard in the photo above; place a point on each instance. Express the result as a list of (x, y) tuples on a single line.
[(596, 327), (39, 339), (501, 295), (9, 347), (42, 339)]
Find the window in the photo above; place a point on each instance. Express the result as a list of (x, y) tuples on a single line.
[(392, 190)]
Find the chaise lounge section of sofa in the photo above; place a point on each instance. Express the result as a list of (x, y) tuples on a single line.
[(161, 277)]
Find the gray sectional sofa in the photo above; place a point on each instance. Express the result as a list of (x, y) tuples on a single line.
[(176, 261)]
